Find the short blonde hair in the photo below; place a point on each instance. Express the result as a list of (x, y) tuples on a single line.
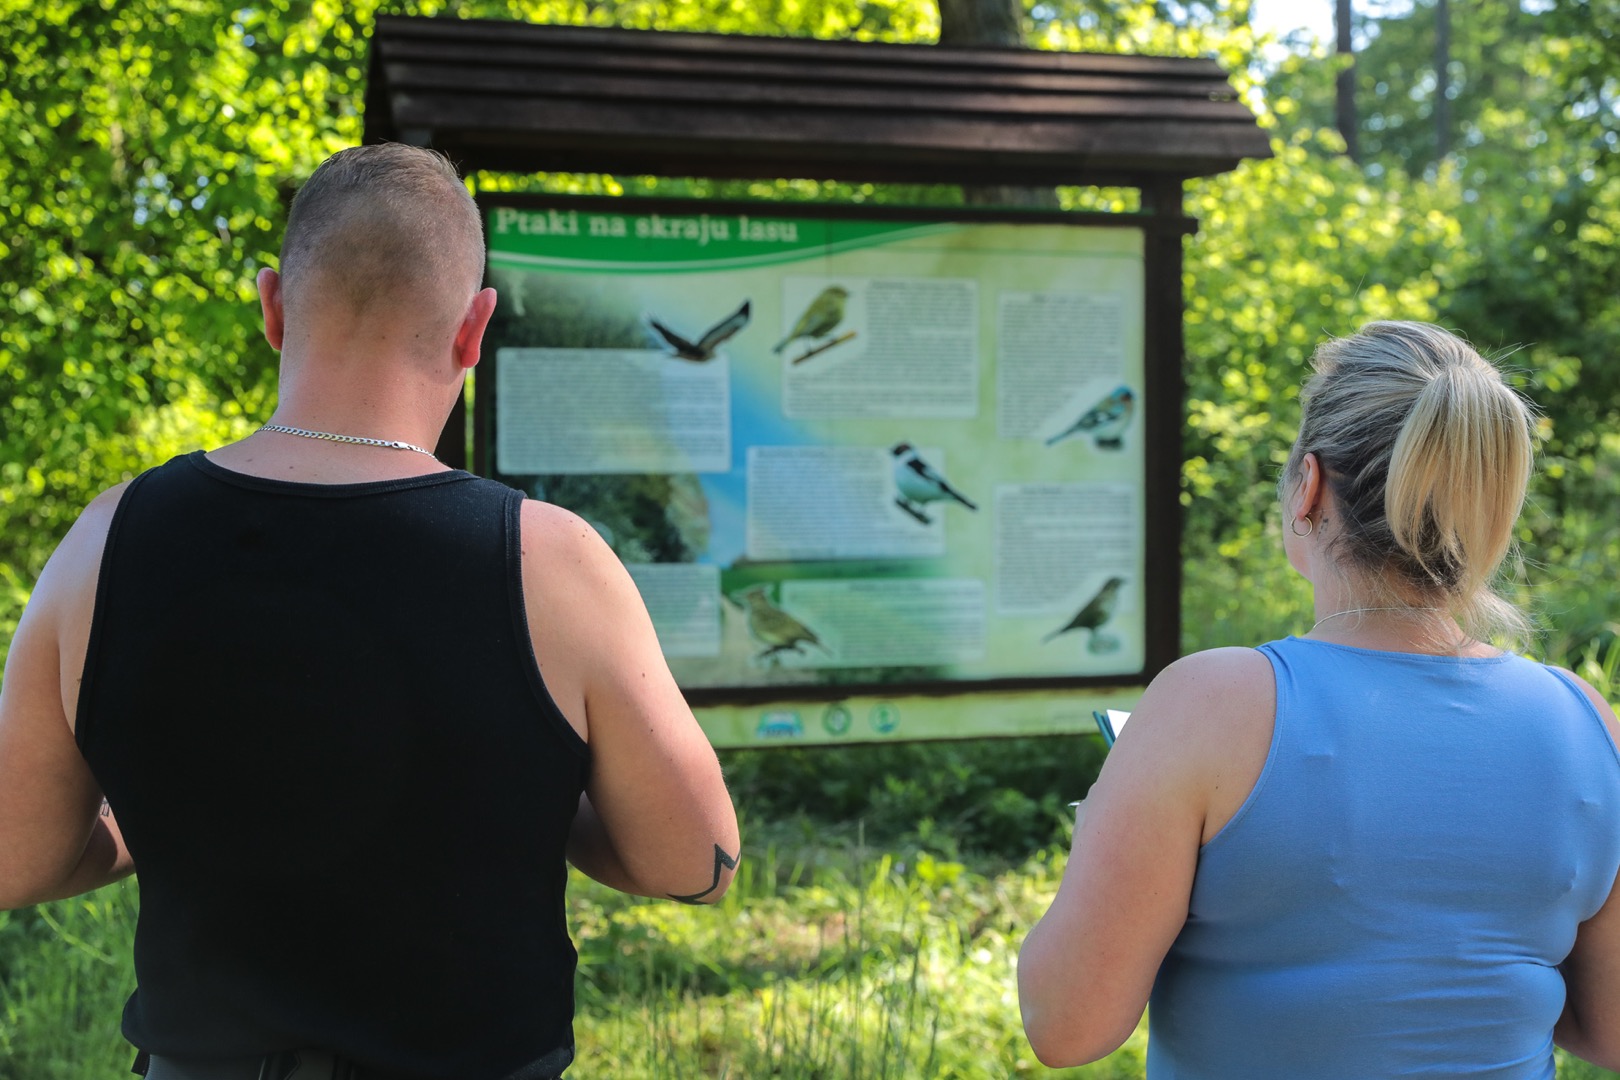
[(1428, 453), (385, 225)]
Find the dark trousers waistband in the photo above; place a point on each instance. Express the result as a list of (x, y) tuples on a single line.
[(294, 1065), (288, 1065)]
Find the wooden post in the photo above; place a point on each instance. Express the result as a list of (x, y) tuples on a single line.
[(1163, 346)]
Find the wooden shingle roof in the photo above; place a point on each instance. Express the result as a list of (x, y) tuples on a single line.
[(518, 97)]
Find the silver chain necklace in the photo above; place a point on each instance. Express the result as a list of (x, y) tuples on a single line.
[(358, 440), (1365, 610)]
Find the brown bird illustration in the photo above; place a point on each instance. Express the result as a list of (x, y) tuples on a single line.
[(1097, 611), (703, 348), (774, 628)]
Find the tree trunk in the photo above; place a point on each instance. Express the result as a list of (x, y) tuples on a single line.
[(1442, 80), (1346, 81), (981, 22), (977, 23)]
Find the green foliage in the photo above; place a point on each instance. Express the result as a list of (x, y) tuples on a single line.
[(150, 147), (1509, 240), (993, 798), (151, 150), (824, 960), (1290, 250), (65, 970)]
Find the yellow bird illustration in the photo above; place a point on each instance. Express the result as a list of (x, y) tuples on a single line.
[(821, 318)]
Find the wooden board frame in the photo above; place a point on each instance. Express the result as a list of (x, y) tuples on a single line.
[(1162, 237), (517, 97)]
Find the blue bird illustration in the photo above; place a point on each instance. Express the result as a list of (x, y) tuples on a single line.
[(1105, 421)]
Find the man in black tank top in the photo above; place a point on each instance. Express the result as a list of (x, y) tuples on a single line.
[(350, 710)]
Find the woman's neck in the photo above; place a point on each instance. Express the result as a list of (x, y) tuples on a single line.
[(1392, 626)]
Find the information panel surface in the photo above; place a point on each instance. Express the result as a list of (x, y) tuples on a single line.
[(874, 478)]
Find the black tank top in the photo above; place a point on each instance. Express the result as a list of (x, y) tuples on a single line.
[(316, 714)]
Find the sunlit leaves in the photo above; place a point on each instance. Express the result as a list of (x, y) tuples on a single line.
[(151, 146)]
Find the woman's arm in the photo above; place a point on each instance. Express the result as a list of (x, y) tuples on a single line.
[(1590, 1025), (1189, 757)]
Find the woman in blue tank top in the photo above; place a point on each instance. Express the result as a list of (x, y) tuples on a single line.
[(1385, 848)]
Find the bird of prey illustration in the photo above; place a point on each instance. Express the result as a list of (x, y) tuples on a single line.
[(1097, 611), (774, 628), (1105, 421), (821, 318), (703, 348), (920, 484)]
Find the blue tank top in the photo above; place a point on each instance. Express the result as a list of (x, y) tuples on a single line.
[(1395, 895)]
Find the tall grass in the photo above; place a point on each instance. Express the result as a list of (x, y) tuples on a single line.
[(65, 970), (826, 961), (871, 933)]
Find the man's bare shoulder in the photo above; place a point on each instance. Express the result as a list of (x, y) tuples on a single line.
[(77, 559), (554, 538), (557, 529), (98, 513), (568, 566)]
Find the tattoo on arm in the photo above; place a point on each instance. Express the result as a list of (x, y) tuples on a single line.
[(106, 807), (721, 859)]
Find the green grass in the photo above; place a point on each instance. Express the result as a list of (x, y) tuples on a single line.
[(65, 970), (827, 960), (871, 932), (828, 963)]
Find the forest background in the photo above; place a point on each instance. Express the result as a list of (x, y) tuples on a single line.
[(152, 148)]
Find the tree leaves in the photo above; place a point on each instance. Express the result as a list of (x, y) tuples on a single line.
[(152, 147)]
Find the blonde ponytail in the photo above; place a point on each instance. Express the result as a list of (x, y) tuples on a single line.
[(1428, 453)]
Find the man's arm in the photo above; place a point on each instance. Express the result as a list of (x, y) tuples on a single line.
[(656, 819), (54, 840)]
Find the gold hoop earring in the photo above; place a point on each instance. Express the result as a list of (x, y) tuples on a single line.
[(1293, 526)]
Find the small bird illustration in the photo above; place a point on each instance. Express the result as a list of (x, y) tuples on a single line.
[(920, 484), (774, 628), (821, 318), (703, 348), (1105, 421), (1098, 610)]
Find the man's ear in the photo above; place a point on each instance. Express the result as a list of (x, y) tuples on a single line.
[(470, 335), (275, 321)]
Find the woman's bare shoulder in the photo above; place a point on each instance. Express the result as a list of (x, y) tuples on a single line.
[(1216, 683), (1600, 704)]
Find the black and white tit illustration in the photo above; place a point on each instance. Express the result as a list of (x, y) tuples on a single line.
[(1105, 421), (1093, 617), (704, 347), (919, 484)]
